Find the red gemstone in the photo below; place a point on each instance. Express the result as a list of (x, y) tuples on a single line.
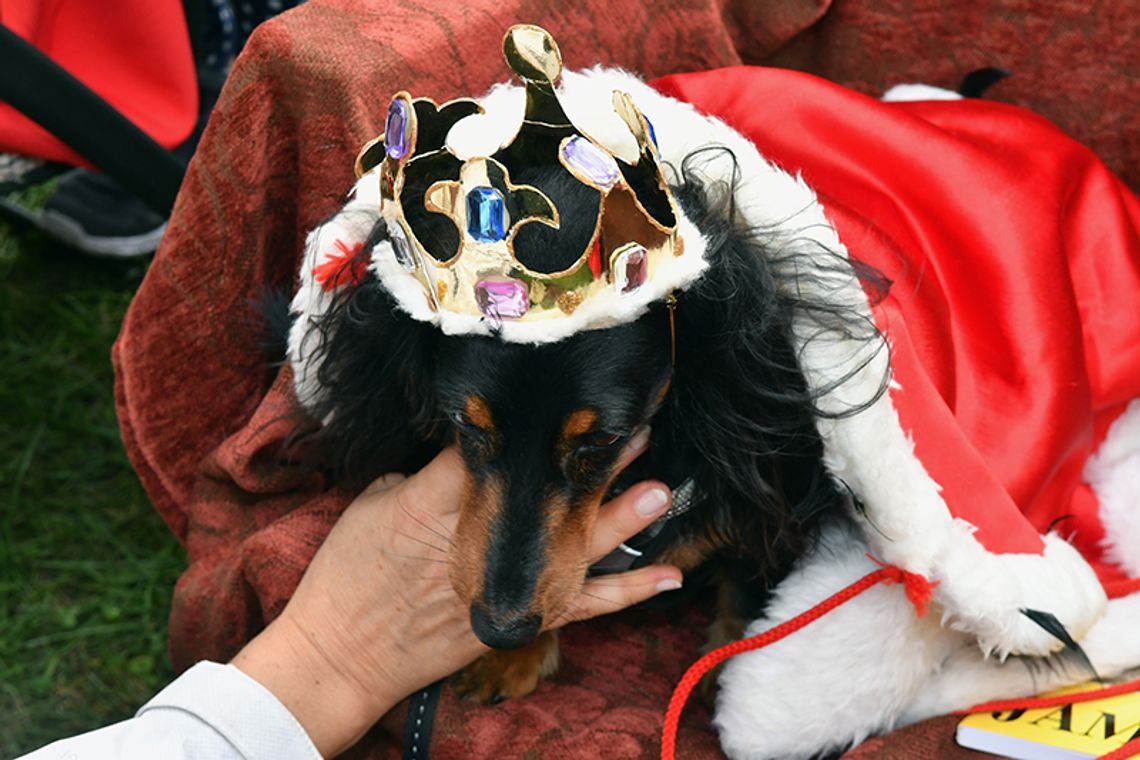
[(595, 260), (631, 268)]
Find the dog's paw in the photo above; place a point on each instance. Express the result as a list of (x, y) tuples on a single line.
[(507, 674)]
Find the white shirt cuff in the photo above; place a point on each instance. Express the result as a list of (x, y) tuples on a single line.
[(243, 711), (211, 712)]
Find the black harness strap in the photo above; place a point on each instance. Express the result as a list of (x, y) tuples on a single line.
[(421, 716)]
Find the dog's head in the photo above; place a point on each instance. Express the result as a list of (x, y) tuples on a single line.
[(540, 429)]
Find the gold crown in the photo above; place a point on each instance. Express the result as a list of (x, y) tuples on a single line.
[(474, 238)]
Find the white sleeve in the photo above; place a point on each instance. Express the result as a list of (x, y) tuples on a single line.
[(211, 712)]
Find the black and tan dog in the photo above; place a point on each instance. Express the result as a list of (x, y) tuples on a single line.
[(394, 356), (541, 427)]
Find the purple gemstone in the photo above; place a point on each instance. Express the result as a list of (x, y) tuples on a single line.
[(590, 161), (631, 268), (502, 298), (396, 129)]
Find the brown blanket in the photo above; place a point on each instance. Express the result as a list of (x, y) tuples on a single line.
[(203, 413)]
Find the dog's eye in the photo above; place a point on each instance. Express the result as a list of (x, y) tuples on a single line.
[(605, 441), (462, 424), (598, 442), (468, 432)]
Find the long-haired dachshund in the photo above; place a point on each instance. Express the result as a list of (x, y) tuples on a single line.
[(544, 275), (712, 370)]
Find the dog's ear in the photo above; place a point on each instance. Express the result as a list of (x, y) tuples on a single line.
[(374, 369), (739, 400)]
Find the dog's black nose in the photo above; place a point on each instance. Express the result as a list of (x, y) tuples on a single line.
[(506, 632)]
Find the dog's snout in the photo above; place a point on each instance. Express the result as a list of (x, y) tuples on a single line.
[(504, 631)]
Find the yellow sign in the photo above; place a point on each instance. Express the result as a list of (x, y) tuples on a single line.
[(1071, 731)]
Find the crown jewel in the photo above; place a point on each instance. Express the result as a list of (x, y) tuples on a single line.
[(487, 237)]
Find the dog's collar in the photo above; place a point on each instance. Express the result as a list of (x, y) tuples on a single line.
[(623, 557)]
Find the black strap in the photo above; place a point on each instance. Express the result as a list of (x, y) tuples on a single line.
[(421, 716), (64, 106)]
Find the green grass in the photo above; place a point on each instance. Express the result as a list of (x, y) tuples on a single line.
[(86, 566)]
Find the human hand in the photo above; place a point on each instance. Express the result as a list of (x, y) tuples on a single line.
[(375, 619)]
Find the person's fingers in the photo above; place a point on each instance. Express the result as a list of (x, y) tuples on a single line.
[(610, 593), (626, 515), (436, 489)]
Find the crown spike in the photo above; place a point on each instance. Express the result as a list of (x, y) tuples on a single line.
[(533, 55), (635, 120)]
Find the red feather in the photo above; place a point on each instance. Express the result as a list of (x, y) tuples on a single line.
[(346, 267)]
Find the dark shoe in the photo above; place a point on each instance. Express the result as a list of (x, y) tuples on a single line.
[(94, 214)]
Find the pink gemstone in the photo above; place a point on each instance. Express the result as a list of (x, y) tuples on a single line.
[(631, 268), (502, 298)]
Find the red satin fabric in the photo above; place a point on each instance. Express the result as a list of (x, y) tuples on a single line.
[(134, 53), (1014, 314)]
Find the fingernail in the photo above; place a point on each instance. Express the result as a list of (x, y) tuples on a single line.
[(638, 443), (669, 585), (651, 502)]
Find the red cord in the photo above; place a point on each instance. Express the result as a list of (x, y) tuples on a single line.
[(1033, 703), (1129, 750), (918, 591)]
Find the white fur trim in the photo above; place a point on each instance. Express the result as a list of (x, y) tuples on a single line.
[(969, 678), (872, 665), (907, 92), (602, 310), (1114, 474), (351, 226), (908, 523)]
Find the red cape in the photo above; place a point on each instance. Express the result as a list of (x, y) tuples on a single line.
[(1014, 313)]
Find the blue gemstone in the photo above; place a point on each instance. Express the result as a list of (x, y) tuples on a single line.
[(486, 221), (652, 134)]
